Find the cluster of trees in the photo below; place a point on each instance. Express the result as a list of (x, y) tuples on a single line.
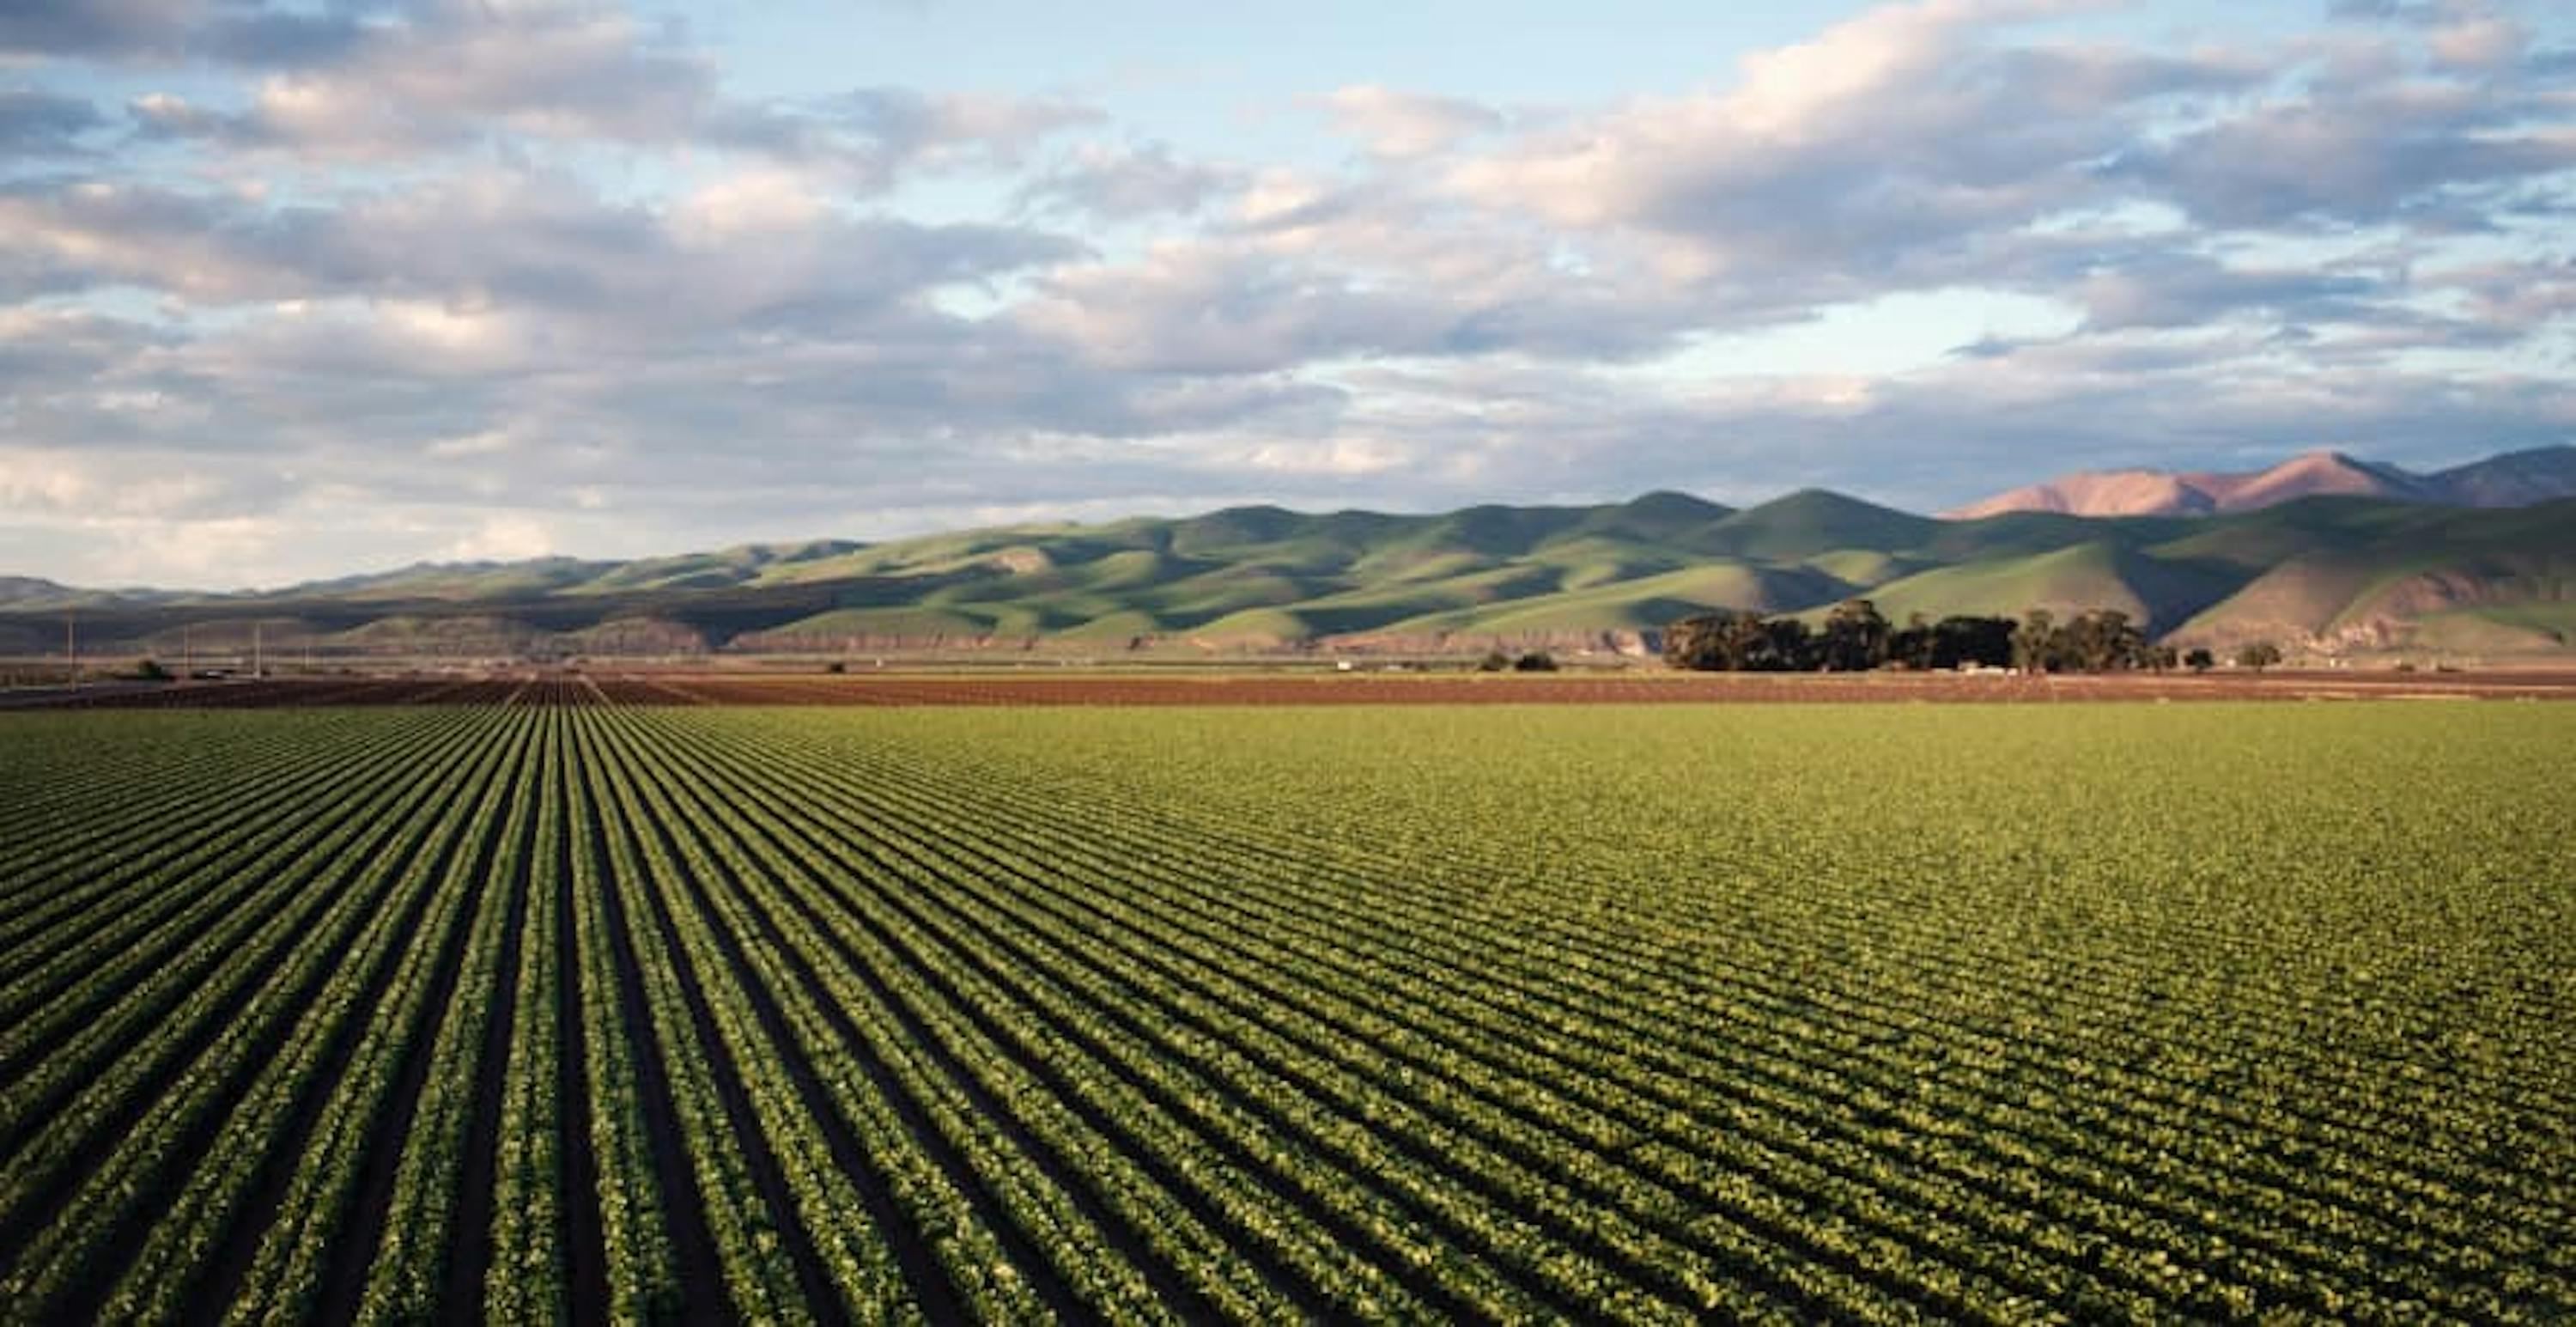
[(1855, 637), (2100, 641)]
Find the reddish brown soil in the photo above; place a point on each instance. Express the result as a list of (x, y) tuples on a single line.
[(1120, 689)]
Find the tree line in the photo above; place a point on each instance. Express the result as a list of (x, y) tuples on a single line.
[(1855, 637)]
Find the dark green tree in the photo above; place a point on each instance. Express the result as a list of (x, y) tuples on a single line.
[(2258, 656), (1855, 638), (1694, 642), (1984, 641), (2100, 641), (1911, 646), (2035, 642)]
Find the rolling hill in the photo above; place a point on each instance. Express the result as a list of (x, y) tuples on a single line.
[(2340, 572)]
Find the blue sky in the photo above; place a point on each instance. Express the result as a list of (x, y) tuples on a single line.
[(292, 290)]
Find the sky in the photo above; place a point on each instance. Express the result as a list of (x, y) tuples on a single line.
[(293, 290)]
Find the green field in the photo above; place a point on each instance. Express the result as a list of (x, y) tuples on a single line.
[(1868, 1013)]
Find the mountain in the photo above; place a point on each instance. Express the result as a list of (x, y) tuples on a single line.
[(2342, 572), (2512, 480), (33, 592)]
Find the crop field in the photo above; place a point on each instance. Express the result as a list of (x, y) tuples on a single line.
[(1862, 1013)]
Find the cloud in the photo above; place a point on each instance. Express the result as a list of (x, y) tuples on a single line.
[(455, 72), (1861, 161), (745, 250), (43, 124), (241, 33), (1256, 305), (103, 28), (870, 138), (2176, 290), (2512, 296), (1403, 124), (911, 123), (40, 347), (508, 537), (2359, 149), (66, 484), (441, 77), (1113, 182)]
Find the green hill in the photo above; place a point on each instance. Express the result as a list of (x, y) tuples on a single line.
[(1646, 603), (1809, 523), (2098, 574)]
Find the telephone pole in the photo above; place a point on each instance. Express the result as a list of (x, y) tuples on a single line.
[(258, 668), (71, 643)]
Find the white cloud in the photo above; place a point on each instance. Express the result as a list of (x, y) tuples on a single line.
[(1406, 124), (504, 538), (746, 205), (1118, 182)]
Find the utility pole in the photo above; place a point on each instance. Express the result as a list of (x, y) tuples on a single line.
[(71, 643), (258, 668), (187, 651)]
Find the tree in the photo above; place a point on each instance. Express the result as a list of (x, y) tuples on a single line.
[(1727, 641), (1986, 642), (1855, 638), (1714, 642), (1496, 661), (2199, 659), (1777, 645), (1911, 646), (2099, 641), (2258, 656), (2035, 643), (1536, 661)]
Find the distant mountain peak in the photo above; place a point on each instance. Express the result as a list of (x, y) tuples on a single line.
[(2516, 479)]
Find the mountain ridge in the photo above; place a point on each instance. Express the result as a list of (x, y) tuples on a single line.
[(2332, 572), (2511, 479)]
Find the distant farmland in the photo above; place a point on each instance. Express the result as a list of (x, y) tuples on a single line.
[(1853, 1012)]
